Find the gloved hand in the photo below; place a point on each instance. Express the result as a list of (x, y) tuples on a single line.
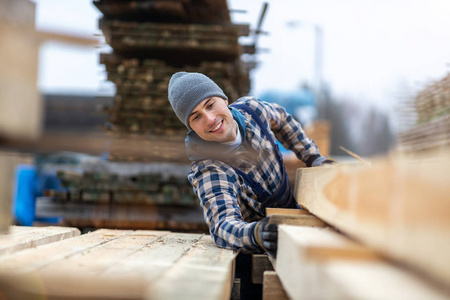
[(323, 161), (267, 236)]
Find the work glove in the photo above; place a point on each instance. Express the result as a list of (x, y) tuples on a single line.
[(321, 161), (266, 235)]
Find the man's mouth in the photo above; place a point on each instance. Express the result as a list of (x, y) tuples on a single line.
[(217, 126)]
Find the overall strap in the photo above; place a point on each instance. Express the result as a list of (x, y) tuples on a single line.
[(261, 124), (283, 195)]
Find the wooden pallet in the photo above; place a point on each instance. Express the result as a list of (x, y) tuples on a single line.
[(121, 264)]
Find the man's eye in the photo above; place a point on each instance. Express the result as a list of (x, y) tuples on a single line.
[(211, 105)]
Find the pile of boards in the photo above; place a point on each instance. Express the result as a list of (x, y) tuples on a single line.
[(59, 263), (432, 128), (144, 188), (151, 40)]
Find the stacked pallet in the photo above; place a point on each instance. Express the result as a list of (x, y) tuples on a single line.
[(432, 111), (144, 188)]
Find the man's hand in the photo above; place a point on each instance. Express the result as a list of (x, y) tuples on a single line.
[(323, 161), (267, 236), (329, 161)]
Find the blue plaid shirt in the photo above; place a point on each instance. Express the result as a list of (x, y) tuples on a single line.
[(230, 207)]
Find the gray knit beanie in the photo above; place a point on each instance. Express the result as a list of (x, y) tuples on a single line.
[(187, 90)]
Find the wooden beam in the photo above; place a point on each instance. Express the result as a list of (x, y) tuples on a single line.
[(205, 272), (286, 211), (316, 263), (260, 264), (8, 163), (22, 237), (299, 217), (68, 38), (398, 206), (300, 220), (19, 49), (272, 287)]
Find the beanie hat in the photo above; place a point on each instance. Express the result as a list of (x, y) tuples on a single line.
[(187, 90)]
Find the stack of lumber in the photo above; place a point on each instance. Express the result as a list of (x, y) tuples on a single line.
[(141, 103), (432, 109), (394, 227), (144, 188), (316, 261), (151, 40), (119, 264), (122, 216)]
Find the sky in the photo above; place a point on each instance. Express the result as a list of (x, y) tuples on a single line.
[(373, 51)]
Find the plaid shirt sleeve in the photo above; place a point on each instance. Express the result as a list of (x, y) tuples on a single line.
[(287, 130), (216, 185)]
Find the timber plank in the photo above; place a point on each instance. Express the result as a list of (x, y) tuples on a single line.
[(272, 287), (393, 206), (316, 263), (286, 211), (260, 264), (299, 220), (299, 217), (34, 259), (23, 237), (205, 272)]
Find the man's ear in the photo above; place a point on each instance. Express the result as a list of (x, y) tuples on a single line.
[(226, 102)]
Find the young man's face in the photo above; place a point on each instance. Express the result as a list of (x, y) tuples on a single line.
[(212, 120)]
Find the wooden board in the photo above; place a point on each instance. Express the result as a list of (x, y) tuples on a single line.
[(299, 217), (21, 237), (8, 163), (286, 211), (19, 95), (317, 263), (260, 264), (121, 264), (272, 287), (399, 207)]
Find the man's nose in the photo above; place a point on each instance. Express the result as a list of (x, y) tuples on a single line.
[(210, 117)]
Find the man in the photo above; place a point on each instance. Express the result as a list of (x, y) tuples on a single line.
[(237, 169)]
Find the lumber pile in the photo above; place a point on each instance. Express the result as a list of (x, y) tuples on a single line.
[(141, 102), (397, 207), (151, 40), (143, 188), (431, 107), (120, 264), (319, 263)]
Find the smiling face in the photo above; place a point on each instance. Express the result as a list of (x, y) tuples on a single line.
[(212, 120)]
